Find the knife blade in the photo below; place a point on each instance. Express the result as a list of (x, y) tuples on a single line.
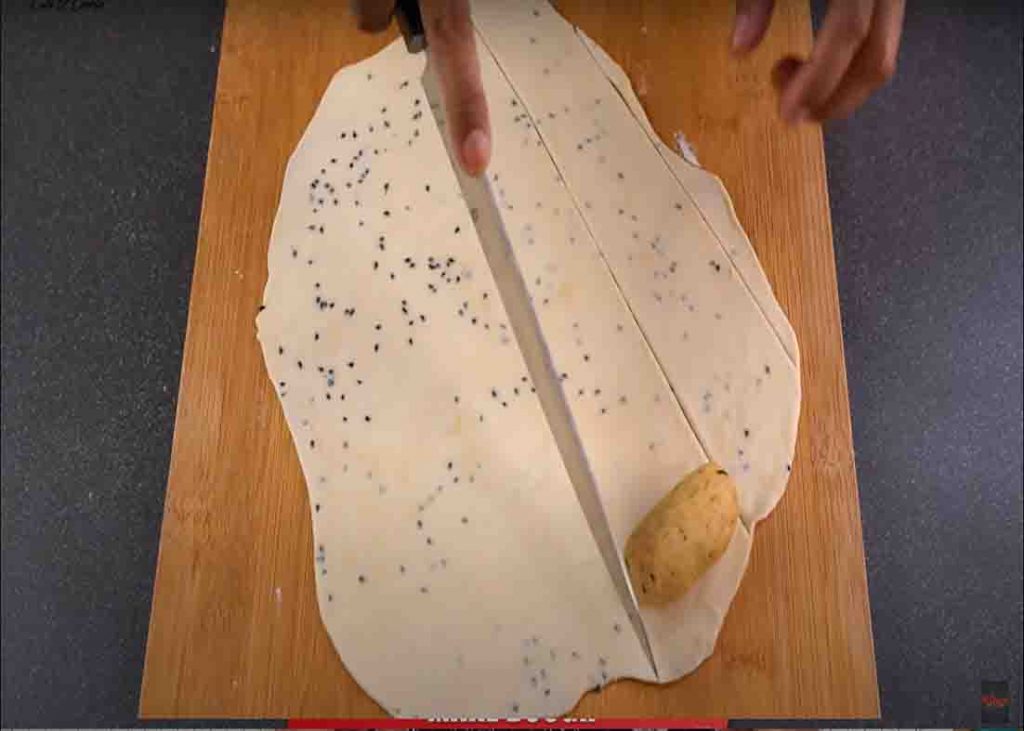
[(517, 301)]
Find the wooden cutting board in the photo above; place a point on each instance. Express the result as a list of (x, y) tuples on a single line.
[(235, 630)]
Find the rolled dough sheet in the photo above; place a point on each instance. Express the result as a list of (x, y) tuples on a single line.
[(455, 573), (638, 440), (712, 201), (725, 362)]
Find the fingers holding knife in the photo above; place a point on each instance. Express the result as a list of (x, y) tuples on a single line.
[(451, 43)]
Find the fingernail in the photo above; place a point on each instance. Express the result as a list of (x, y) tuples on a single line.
[(741, 31), (476, 152)]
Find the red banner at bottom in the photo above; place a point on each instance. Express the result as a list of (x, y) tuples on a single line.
[(507, 723)]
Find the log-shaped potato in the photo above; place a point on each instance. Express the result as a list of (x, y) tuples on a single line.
[(683, 535)]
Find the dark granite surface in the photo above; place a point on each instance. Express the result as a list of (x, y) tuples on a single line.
[(106, 118), (926, 195)]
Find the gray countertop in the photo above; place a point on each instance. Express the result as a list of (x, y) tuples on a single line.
[(106, 115)]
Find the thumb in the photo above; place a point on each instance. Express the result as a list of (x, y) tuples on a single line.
[(452, 46), (752, 17)]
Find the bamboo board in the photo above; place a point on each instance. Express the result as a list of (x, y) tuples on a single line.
[(235, 629)]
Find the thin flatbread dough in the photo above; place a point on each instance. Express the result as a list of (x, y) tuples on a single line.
[(638, 440), (709, 195), (455, 572), (725, 362)]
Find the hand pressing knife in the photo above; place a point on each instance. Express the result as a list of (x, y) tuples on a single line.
[(446, 26)]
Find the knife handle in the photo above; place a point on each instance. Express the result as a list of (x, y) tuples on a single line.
[(410, 21)]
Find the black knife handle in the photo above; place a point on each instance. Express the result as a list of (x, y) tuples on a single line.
[(410, 21)]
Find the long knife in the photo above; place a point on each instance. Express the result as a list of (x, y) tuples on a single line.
[(515, 297)]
